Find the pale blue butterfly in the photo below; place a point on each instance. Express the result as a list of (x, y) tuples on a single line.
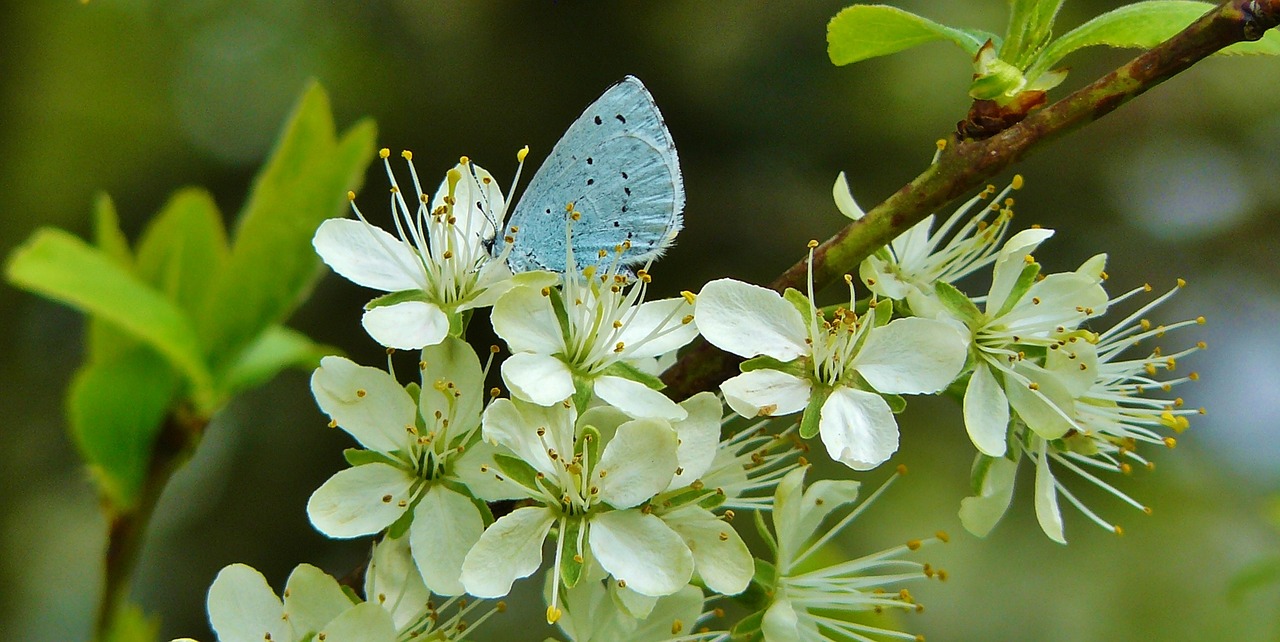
[(616, 165)]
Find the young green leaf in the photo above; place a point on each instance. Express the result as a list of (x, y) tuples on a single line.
[(116, 408), (103, 340), (867, 31), (277, 348), (60, 266), (1141, 25), (183, 248), (1030, 25), (272, 264)]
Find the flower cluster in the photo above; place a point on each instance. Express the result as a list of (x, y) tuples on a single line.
[(628, 501)]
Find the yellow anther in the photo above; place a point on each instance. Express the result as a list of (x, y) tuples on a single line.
[(1200, 320), (1182, 283), (360, 392), (407, 155), (1119, 531), (689, 297), (1029, 259), (351, 196), (942, 535), (1170, 442), (902, 469), (1017, 181), (553, 614), (463, 160), (941, 144), (914, 544), (522, 153), (384, 153), (812, 244)]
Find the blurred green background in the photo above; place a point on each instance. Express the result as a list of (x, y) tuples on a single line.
[(140, 97)]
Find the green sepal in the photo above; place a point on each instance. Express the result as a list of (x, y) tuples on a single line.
[(1026, 279), (713, 500), (958, 304), (394, 298), (458, 323), (812, 412), (359, 457), (997, 80), (978, 472), (748, 628), (801, 303), (766, 535), (897, 403), (588, 444), (562, 314), (584, 389), (517, 470), (860, 32), (400, 527), (571, 568), (883, 312), (116, 407), (797, 367), (628, 371)]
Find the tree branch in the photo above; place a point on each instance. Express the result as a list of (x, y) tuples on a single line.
[(967, 164)]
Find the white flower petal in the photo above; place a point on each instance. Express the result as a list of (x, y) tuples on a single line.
[(980, 513), (1047, 409), (453, 384), (684, 607), (394, 581), (312, 599), (663, 317), (515, 424), (366, 402), (540, 378), (641, 550), (880, 278), (367, 622), (699, 436), (511, 548), (637, 399), (408, 325), (368, 256), (243, 608), (986, 412), (637, 463), (781, 623), (361, 500), (478, 202), (844, 198), (819, 500), (445, 526), (749, 320), (719, 554), (1065, 299), (523, 317), (477, 469), (1047, 512), (766, 393), (858, 428), (912, 356)]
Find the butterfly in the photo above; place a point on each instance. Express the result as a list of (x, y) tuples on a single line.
[(616, 167)]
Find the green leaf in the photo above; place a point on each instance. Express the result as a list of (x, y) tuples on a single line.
[(1142, 25), (131, 624), (103, 340), (116, 408), (867, 31), (60, 266), (183, 248), (272, 265), (1259, 574), (1030, 24), (274, 350)]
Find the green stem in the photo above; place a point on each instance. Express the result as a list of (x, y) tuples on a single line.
[(967, 164), (126, 528)]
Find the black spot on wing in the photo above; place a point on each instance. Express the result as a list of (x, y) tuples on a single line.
[(598, 121), (620, 118)]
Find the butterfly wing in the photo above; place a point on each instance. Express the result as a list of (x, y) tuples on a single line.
[(617, 165)]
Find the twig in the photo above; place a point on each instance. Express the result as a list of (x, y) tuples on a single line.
[(967, 164)]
